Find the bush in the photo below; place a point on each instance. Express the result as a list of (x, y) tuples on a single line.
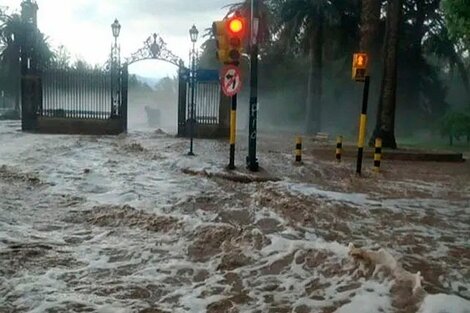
[(456, 124), (9, 115)]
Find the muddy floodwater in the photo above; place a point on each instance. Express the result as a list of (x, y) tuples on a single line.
[(132, 224)]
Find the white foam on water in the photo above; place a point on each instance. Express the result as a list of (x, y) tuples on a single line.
[(358, 199), (442, 303), (127, 256), (372, 298)]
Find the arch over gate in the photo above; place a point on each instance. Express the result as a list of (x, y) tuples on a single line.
[(210, 116), (155, 48)]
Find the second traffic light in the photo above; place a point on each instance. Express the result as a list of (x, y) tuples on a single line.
[(229, 35), (359, 68)]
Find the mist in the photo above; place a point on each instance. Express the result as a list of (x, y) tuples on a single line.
[(153, 107)]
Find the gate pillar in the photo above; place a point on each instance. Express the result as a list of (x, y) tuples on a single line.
[(183, 76), (124, 96)]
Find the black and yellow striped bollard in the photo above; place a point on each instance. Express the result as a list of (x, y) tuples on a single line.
[(362, 126), (233, 132), (298, 150), (377, 154), (339, 148)]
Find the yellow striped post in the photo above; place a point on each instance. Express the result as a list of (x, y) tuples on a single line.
[(233, 132), (377, 154), (298, 150), (362, 126), (339, 148)]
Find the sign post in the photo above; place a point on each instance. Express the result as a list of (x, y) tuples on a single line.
[(231, 85), (252, 161), (359, 74)]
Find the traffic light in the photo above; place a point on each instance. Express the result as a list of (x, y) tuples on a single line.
[(219, 30), (236, 33), (359, 69)]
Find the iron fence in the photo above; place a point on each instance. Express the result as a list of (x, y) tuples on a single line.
[(207, 98), (78, 94)]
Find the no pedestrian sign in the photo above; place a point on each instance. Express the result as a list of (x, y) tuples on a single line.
[(231, 80)]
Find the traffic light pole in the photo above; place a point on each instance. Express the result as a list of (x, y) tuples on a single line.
[(252, 161), (362, 126), (233, 132)]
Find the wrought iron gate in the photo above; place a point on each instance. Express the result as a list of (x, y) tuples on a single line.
[(207, 106), (54, 99)]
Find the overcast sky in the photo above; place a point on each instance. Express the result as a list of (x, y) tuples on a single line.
[(84, 26)]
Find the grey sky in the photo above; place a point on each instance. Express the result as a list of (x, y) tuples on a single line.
[(83, 26)]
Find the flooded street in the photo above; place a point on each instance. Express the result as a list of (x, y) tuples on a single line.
[(132, 224)]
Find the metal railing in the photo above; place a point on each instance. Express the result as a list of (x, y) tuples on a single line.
[(78, 94), (207, 102)]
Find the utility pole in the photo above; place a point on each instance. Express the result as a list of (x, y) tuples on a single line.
[(252, 161)]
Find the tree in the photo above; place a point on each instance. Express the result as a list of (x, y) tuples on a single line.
[(370, 30), (14, 35), (302, 23), (62, 58), (385, 127), (457, 13), (10, 56), (442, 45)]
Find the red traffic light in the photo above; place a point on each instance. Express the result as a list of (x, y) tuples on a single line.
[(235, 26)]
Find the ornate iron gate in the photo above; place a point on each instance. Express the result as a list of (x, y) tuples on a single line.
[(208, 109), (54, 100)]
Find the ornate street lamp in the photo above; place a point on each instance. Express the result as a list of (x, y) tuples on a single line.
[(115, 67), (116, 27), (193, 34)]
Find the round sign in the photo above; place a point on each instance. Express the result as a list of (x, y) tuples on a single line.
[(231, 80)]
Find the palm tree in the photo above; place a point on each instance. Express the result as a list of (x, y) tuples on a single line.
[(445, 48), (13, 37), (303, 23), (10, 55), (385, 127)]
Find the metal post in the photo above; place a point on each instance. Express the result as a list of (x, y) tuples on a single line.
[(377, 154), (193, 85), (124, 96), (339, 148), (298, 150), (233, 132), (362, 126), (252, 161)]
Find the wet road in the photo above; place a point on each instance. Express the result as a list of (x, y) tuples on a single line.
[(131, 224)]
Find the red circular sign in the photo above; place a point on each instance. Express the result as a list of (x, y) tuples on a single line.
[(231, 80)]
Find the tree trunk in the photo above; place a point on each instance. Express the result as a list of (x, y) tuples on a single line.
[(412, 72), (370, 30), (371, 43), (314, 91), (385, 127)]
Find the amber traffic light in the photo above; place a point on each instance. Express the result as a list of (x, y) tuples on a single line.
[(359, 68)]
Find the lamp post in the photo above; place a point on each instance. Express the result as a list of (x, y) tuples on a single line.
[(115, 65), (193, 33)]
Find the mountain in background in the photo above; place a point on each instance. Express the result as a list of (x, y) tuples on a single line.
[(150, 81)]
